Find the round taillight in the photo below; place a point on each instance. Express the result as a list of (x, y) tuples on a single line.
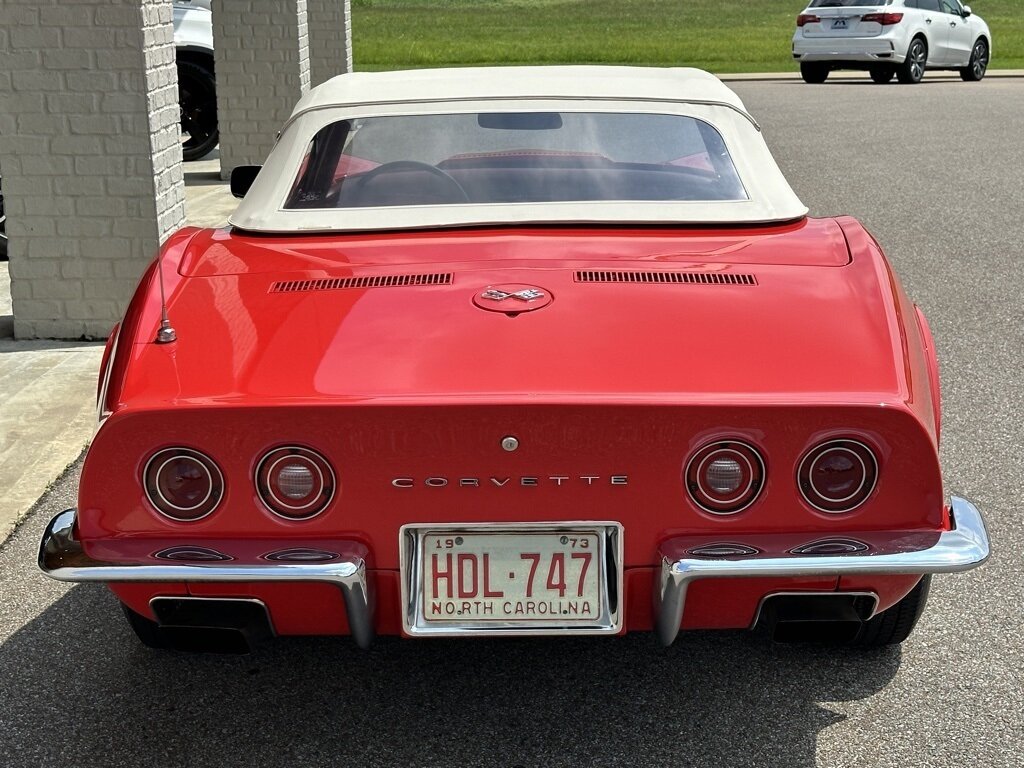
[(837, 476), (724, 478), (294, 482), (183, 484)]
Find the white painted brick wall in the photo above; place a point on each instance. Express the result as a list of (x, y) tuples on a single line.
[(90, 156), (330, 39), (260, 78)]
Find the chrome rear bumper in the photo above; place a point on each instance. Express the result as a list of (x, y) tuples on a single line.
[(61, 557), (961, 548)]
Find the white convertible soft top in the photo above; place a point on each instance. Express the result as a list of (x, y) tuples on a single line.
[(677, 91)]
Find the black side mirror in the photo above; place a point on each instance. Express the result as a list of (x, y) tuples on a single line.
[(242, 178)]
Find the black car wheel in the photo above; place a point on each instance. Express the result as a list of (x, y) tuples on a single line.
[(197, 99), (978, 65), (890, 627), (912, 69), (894, 625), (882, 75), (814, 73)]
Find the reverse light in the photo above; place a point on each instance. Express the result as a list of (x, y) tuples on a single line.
[(837, 476), (294, 482), (725, 477), (885, 19), (807, 18), (183, 484)]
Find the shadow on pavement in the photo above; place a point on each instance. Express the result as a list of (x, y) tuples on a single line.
[(80, 690)]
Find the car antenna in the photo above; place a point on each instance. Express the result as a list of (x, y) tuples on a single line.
[(166, 333)]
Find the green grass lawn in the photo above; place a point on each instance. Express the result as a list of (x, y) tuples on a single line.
[(717, 35)]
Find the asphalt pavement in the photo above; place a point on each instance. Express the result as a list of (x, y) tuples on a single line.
[(935, 172)]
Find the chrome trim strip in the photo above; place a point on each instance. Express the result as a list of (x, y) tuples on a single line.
[(300, 555), (189, 554), (612, 615), (723, 549), (62, 557), (840, 545), (963, 547)]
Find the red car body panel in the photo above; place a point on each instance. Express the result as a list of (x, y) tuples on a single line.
[(609, 380)]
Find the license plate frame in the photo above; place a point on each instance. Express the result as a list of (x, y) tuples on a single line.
[(841, 22), (608, 619)]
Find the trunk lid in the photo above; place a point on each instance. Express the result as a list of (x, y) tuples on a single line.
[(766, 317)]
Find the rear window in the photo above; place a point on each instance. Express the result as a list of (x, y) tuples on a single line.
[(848, 4), (517, 157)]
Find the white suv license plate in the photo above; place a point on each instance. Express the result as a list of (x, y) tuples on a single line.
[(514, 580), (839, 23)]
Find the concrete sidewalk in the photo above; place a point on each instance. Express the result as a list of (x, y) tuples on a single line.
[(48, 388)]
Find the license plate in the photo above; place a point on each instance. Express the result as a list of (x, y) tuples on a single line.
[(839, 23), (521, 579)]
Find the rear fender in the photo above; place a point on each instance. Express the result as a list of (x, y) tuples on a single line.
[(140, 319)]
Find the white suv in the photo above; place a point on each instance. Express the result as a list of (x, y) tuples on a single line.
[(891, 37)]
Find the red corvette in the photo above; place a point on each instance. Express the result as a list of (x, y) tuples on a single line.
[(522, 351)]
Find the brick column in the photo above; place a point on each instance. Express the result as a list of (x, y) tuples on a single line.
[(261, 54), (91, 156), (330, 39)]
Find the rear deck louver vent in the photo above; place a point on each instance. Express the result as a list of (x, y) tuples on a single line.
[(692, 278), (374, 281)]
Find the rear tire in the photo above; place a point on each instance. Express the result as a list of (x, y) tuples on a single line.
[(911, 71), (978, 65), (894, 625), (816, 74), (882, 75), (197, 100)]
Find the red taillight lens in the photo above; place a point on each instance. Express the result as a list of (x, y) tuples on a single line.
[(294, 482), (806, 18), (838, 476), (885, 19), (183, 484), (724, 478)]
